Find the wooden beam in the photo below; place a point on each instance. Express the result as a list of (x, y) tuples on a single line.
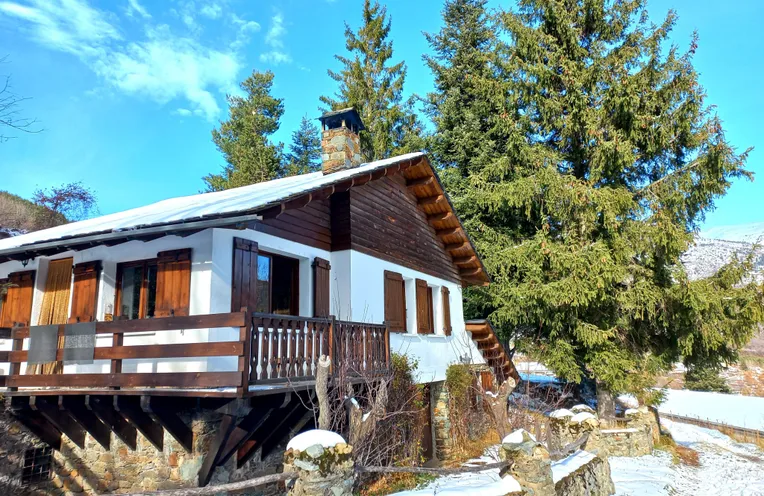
[(272, 212), (243, 431), (298, 202), (104, 410), (431, 200), (442, 233), (283, 429), (422, 181), (470, 272), (266, 431), (129, 407), (75, 405), (39, 426), (361, 180), (465, 260), (211, 459), (160, 410), (457, 246), (440, 217), (59, 418)]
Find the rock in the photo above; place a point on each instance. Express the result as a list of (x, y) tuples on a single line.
[(304, 465), (315, 451)]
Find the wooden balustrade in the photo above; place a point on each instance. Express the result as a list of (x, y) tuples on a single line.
[(270, 349)]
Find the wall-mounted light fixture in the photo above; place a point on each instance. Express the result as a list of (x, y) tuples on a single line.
[(25, 262)]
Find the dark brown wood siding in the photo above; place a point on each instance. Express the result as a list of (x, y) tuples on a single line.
[(85, 291), (321, 284), (173, 283), (17, 307), (310, 225), (395, 302), (386, 223), (244, 275)]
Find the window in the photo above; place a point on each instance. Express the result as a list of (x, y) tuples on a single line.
[(137, 289), (36, 466), (277, 284), (395, 302), (424, 311)]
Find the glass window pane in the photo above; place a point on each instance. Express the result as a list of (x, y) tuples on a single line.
[(263, 284), (283, 298), (151, 297), (130, 297)]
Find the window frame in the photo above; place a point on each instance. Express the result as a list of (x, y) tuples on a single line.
[(295, 282), (143, 299)]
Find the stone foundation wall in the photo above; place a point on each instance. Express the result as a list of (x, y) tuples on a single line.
[(444, 443), (95, 470), (592, 479)]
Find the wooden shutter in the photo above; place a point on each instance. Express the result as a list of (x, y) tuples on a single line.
[(321, 292), (85, 293), (17, 306), (395, 302), (173, 283), (446, 297), (423, 308), (244, 276)]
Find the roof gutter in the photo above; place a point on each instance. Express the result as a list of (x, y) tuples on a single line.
[(165, 229)]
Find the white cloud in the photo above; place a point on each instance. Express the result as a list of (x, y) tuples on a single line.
[(212, 11), (161, 65), (243, 33), (135, 7), (183, 112), (274, 39)]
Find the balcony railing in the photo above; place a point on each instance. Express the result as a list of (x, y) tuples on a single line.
[(271, 349)]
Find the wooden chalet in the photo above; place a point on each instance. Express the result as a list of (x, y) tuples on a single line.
[(223, 302)]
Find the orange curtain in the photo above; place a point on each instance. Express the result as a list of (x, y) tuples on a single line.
[(55, 307)]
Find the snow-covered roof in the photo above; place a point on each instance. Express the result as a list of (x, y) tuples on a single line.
[(202, 206)]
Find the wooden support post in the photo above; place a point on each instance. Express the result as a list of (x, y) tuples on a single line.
[(17, 345), (104, 410), (330, 353), (129, 407), (280, 431), (59, 418), (160, 410), (75, 405), (211, 459), (387, 347), (118, 339), (245, 361), (243, 431), (267, 430)]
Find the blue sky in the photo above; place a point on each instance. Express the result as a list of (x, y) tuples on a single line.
[(127, 91)]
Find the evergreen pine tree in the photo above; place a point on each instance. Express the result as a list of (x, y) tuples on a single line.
[(305, 150), (608, 160), (369, 83), (244, 138)]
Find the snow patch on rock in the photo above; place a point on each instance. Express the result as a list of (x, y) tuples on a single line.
[(326, 439), (566, 466)]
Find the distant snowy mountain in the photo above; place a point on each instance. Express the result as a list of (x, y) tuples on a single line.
[(716, 246), (748, 233)]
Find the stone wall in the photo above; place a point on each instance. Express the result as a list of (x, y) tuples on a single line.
[(95, 470), (444, 442), (581, 474), (634, 435), (591, 479)]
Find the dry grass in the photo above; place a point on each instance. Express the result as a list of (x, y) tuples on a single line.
[(472, 448), (392, 483), (679, 454)]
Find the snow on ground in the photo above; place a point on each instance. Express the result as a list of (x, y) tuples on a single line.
[(731, 409), (726, 467), (485, 483)]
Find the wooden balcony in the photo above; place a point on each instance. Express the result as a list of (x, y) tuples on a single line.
[(273, 352)]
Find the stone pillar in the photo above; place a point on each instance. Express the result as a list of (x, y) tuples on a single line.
[(531, 466), (321, 470), (444, 443)]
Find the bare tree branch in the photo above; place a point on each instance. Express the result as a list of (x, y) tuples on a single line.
[(10, 110)]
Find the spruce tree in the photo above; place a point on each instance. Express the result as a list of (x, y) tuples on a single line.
[(244, 138), (305, 150), (609, 158), (371, 83)]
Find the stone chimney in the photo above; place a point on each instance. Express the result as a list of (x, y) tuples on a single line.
[(340, 143)]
